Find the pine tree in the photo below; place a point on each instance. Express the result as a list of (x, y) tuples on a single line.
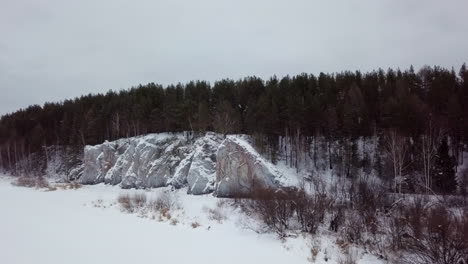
[(443, 172)]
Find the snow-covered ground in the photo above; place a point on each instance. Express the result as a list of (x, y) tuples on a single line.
[(72, 226), (87, 226)]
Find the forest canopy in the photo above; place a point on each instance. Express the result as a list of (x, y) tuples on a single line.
[(340, 105)]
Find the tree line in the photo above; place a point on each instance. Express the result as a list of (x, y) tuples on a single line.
[(338, 106)]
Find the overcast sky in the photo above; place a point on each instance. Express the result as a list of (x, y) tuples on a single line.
[(51, 50)]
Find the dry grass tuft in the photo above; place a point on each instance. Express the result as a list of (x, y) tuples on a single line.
[(68, 186), (32, 182), (139, 200), (350, 257), (125, 202), (174, 222), (217, 213)]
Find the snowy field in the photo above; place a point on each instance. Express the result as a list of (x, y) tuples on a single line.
[(81, 226), (87, 225)]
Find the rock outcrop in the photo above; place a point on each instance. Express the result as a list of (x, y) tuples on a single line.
[(209, 163), (201, 175), (240, 168), (154, 160)]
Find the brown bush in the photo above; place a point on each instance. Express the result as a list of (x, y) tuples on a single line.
[(51, 189), (126, 203), (274, 208), (311, 210), (25, 182), (31, 182), (131, 203), (354, 227), (139, 200), (397, 232), (278, 210), (414, 216), (165, 213), (349, 258), (218, 213), (69, 186), (165, 201), (163, 205), (441, 239), (195, 225), (337, 217), (41, 182), (74, 185), (370, 201), (314, 250)]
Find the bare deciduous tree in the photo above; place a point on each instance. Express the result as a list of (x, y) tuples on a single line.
[(396, 148), (429, 142), (115, 125), (226, 119)]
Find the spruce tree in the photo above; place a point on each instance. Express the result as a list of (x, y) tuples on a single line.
[(444, 170)]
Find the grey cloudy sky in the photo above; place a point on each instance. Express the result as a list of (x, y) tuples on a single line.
[(56, 49)]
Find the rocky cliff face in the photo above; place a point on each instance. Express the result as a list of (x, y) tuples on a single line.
[(154, 160), (209, 163), (240, 168)]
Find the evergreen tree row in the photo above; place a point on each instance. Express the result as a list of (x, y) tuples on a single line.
[(342, 105)]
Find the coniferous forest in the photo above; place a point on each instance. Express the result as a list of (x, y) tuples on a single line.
[(427, 107)]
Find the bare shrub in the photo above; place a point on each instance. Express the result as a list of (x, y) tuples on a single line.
[(314, 250), (369, 202), (174, 222), (139, 200), (68, 186), (195, 225), (453, 201), (285, 209), (337, 217), (126, 203), (218, 213), (165, 201), (353, 228), (164, 204), (165, 213), (310, 210), (25, 182), (414, 216), (397, 232), (132, 203), (274, 208), (41, 182), (51, 188), (74, 185), (31, 182), (350, 257), (463, 186), (443, 238), (342, 244)]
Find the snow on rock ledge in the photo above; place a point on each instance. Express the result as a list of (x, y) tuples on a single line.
[(154, 160), (228, 167), (239, 167)]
